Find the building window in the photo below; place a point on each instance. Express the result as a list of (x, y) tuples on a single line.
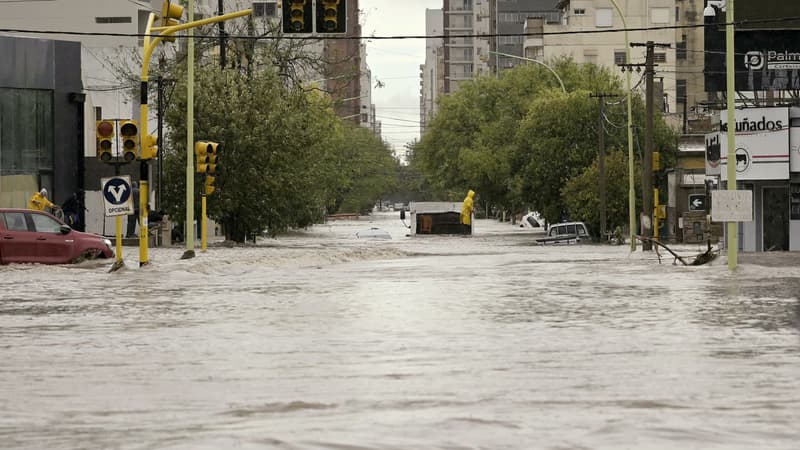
[(659, 15), (680, 91), (579, 12), (620, 57), (590, 55), (26, 131), (264, 9), (680, 49), (604, 18), (660, 57), (113, 20)]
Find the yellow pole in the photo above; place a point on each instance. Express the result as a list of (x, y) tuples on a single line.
[(144, 175), (119, 242), (655, 213), (149, 46), (631, 189), (733, 227), (189, 253), (203, 222)]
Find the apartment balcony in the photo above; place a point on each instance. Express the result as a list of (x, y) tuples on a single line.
[(460, 43), (459, 11), (460, 77)]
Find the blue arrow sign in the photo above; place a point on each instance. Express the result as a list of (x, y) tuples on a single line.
[(117, 191)]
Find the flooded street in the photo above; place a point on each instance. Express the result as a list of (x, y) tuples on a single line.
[(321, 340)]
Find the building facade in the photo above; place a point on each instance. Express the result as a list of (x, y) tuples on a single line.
[(590, 32), (431, 73), (103, 94)]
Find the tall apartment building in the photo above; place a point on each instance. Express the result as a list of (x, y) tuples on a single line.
[(432, 72), (509, 21), (464, 54), (689, 62), (344, 70)]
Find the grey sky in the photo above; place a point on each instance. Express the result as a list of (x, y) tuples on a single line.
[(396, 63)]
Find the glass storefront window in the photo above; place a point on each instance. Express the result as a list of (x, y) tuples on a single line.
[(26, 131)]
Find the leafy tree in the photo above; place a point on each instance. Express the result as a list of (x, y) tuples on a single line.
[(369, 169), (582, 196), (271, 161), (519, 139)]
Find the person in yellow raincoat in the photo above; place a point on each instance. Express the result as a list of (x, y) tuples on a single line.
[(466, 212), (39, 201)]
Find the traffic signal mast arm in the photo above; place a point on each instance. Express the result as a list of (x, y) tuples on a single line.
[(149, 47)]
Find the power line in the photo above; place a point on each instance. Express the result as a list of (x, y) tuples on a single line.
[(396, 37)]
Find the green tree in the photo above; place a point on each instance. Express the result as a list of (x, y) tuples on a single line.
[(277, 151), (368, 169), (582, 196)]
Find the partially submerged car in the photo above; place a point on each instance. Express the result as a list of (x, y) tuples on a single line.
[(566, 233), (532, 220), (30, 236)]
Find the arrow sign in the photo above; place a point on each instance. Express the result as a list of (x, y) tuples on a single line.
[(697, 202), (117, 195)]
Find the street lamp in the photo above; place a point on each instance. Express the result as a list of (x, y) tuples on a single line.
[(711, 11), (631, 190), (537, 62)]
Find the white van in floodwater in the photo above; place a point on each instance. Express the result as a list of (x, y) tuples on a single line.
[(566, 233), (436, 218)]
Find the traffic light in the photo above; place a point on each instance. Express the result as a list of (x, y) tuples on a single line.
[(129, 133), (297, 16), (105, 138), (149, 147), (208, 185), (206, 153), (331, 16), (171, 13)]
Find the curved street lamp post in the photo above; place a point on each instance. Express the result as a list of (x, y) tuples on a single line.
[(631, 190)]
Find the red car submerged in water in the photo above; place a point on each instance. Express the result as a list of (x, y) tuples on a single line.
[(30, 236)]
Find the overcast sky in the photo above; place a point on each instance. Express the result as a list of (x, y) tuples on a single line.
[(396, 63)]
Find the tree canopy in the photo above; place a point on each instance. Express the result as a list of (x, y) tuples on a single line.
[(519, 140)]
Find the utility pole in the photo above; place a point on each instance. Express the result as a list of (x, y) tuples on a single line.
[(648, 212), (221, 36), (601, 164)]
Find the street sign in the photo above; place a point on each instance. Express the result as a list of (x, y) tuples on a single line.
[(732, 206), (697, 202), (117, 195)]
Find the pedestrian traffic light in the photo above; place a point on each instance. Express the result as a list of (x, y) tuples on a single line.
[(206, 153), (171, 13), (208, 185), (129, 133), (297, 16), (331, 16), (105, 138), (149, 147)]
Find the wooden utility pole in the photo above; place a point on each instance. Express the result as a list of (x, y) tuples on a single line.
[(648, 212), (221, 37), (601, 162)]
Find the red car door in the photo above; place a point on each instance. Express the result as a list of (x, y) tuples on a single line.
[(17, 243), (52, 245)]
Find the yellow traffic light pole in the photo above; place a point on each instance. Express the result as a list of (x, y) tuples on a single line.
[(203, 221), (149, 47)]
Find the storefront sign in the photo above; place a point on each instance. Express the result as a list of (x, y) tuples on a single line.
[(762, 144)]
